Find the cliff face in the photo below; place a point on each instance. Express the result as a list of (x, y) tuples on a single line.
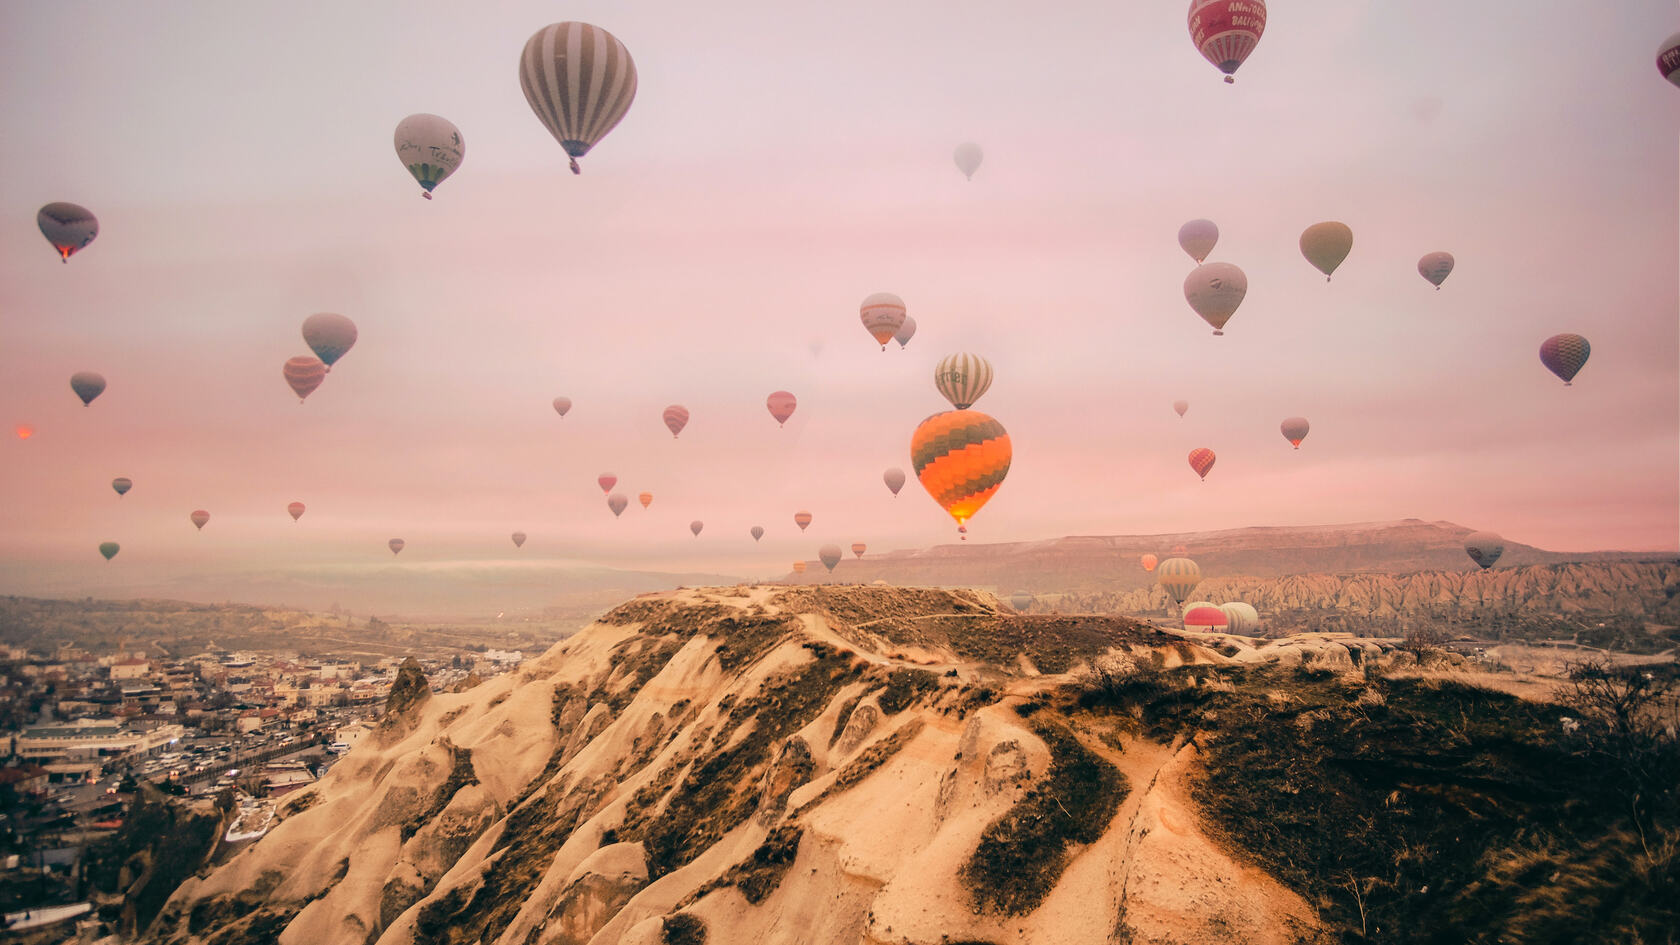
[(755, 765)]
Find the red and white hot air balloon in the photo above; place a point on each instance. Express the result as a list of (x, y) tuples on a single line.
[(303, 374), (675, 417), (1201, 460), (802, 519), (1226, 31)]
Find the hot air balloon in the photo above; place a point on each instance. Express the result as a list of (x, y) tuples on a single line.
[(580, 81), (883, 315), (329, 335), (87, 385), (799, 567), (905, 332), (961, 458), (122, 484), (829, 555), (1325, 245), (695, 527), (802, 519), (1021, 600), (1206, 619), (1436, 267), (646, 498), (1564, 356), (618, 503), (1214, 290), (1226, 31), (1178, 577), (858, 548), (199, 517), (606, 481), (1180, 406), (1484, 548), (1241, 618), (1179, 551), (675, 417), (561, 405), (1198, 238), (109, 549), (968, 157), (1294, 430), (304, 374), (757, 531), (24, 431), (781, 404), (1668, 59), (296, 510), (1148, 562), (396, 545), (431, 148), (1201, 460), (963, 378), (518, 537), (68, 227), (894, 478)]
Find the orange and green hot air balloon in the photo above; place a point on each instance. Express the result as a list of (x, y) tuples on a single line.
[(961, 458)]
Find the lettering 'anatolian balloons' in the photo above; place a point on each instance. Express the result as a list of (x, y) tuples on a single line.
[(1205, 619), (1021, 600), (1668, 59), (606, 481), (618, 503), (1198, 237), (883, 315), (695, 527), (830, 556), (1436, 267), (1564, 355), (1214, 290), (675, 417), (905, 332), (1180, 406), (122, 484), (858, 548), (396, 545), (518, 539), (757, 531), (799, 567), (67, 227), (646, 498), (968, 157), (430, 147), (962, 378), (1226, 31), (1201, 460), (961, 458), (87, 385), (109, 549), (561, 405), (1178, 577), (330, 335), (580, 80), (1484, 548), (1295, 430), (295, 510), (199, 517), (1148, 562), (304, 373), (1326, 244), (802, 519), (781, 404), (1242, 618), (894, 478)]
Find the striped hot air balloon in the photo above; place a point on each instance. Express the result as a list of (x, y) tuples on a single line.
[(122, 484), (1436, 267), (781, 404), (580, 80), (1295, 430), (858, 548), (303, 374), (646, 498), (883, 315), (1201, 460), (675, 417), (199, 518), (67, 226), (961, 458), (757, 531), (799, 567), (1565, 355), (963, 378), (1242, 618), (1178, 577), (802, 519), (1226, 31)]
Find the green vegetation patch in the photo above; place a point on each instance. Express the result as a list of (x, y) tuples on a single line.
[(1022, 854)]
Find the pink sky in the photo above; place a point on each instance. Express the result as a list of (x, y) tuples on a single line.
[(778, 165)]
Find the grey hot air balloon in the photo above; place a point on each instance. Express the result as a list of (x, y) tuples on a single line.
[(199, 518), (1198, 237), (618, 502), (695, 527), (87, 385), (1326, 244), (1484, 548), (431, 148), (68, 227), (1021, 600), (1436, 267), (518, 539), (905, 332), (330, 335), (122, 484), (396, 545), (561, 405), (1180, 406), (963, 378), (829, 555), (579, 80), (109, 549), (894, 478), (757, 531), (968, 157), (1295, 430), (1214, 290)]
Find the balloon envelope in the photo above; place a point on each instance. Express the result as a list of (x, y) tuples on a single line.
[(109, 549), (122, 484), (675, 417), (1021, 600), (968, 157), (304, 374), (1241, 618), (781, 404), (1178, 577), (799, 567), (1180, 406), (87, 385), (1565, 355), (1205, 618), (67, 227), (1198, 237), (199, 517), (858, 548), (1214, 290), (618, 503), (962, 378), (295, 510), (562, 404), (430, 147), (1295, 430), (1201, 460), (1226, 31), (961, 458), (579, 80), (829, 555), (1668, 59), (894, 478), (905, 332), (606, 481), (802, 519), (1325, 245), (646, 498), (1148, 562), (1484, 548), (757, 531), (883, 315), (396, 545), (695, 527), (1436, 267), (329, 335), (518, 539)]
